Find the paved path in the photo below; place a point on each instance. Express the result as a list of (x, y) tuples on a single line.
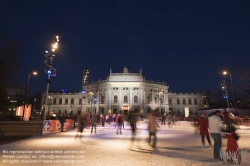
[(178, 145)]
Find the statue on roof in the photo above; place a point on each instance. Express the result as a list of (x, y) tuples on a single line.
[(125, 70)]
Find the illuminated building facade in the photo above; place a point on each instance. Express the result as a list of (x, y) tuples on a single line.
[(124, 91)]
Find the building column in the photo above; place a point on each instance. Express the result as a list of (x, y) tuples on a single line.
[(130, 97), (109, 98), (106, 98), (98, 100), (141, 100), (120, 98)]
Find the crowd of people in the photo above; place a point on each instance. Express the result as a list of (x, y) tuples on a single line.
[(207, 125)]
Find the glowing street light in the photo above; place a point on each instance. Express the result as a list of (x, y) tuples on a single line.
[(27, 88), (231, 81), (49, 69)]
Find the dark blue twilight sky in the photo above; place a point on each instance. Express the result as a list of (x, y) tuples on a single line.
[(184, 43)]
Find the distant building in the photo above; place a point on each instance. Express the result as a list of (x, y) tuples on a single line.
[(123, 91), (16, 96)]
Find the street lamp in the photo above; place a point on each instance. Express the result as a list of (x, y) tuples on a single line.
[(224, 87), (27, 89), (82, 93), (50, 102), (231, 81), (49, 55)]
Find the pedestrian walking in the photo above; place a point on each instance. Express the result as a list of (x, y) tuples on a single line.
[(163, 119), (215, 125), (94, 121), (88, 121), (62, 120), (203, 129), (132, 120), (75, 120), (153, 127), (81, 124), (169, 120), (119, 124)]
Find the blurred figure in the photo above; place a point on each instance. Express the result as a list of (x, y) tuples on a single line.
[(62, 120), (153, 127), (203, 129), (169, 119), (215, 124), (114, 119), (94, 121), (132, 120), (226, 118), (123, 119), (102, 120), (75, 120), (88, 121), (81, 123), (163, 119), (119, 124), (107, 119), (232, 145)]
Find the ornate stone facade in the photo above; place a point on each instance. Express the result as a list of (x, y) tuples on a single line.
[(123, 92)]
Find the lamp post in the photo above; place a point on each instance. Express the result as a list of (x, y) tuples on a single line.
[(231, 81), (27, 89), (49, 55), (50, 102), (82, 92), (224, 87), (91, 98)]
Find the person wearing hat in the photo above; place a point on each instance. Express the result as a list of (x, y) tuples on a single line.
[(215, 124)]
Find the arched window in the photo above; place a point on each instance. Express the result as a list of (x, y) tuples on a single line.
[(189, 101), (136, 99), (115, 99), (60, 101), (66, 101), (184, 101), (169, 101), (54, 101), (178, 101), (103, 99), (195, 101), (125, 99), (72, 101), (80, 101)]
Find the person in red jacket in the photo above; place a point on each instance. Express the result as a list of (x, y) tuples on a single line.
[(203, 129), (232, 145)]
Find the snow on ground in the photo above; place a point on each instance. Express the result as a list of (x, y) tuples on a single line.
[(177, 145)]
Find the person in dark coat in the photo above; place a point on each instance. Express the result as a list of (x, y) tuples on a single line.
[(132, 120), (62, 120), (81, 124), (94, 121), (203, 129)]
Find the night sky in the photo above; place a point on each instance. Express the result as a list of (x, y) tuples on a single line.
[(186, 44)]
